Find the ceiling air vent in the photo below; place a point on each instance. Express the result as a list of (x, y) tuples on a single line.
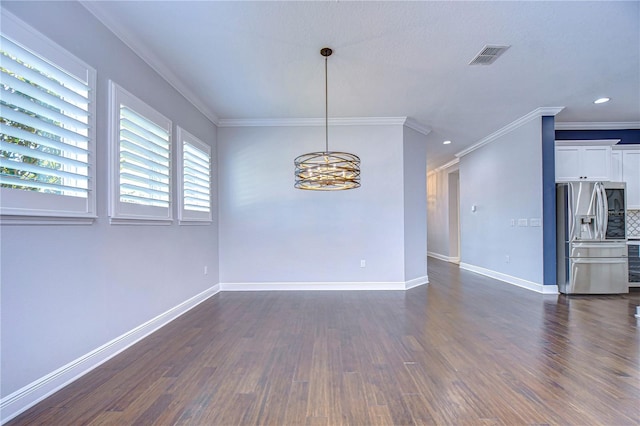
[(488, 55)]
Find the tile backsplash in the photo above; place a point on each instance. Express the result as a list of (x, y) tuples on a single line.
[(633, 223)]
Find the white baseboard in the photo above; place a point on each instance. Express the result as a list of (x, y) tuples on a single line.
[(26, 397), (416, 282), (529, 285), (323, 286), (443, 257)]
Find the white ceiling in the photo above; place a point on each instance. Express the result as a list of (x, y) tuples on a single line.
[(250, 60)]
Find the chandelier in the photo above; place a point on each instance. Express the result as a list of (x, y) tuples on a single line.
[(327, 170)]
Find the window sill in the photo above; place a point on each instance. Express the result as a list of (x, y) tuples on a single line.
[(45, 220), (195, 222), (139, 221)]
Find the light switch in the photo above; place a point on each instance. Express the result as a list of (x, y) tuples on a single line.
[(523, 222)]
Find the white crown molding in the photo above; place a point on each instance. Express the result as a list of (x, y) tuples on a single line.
[(536, 113), (576, 125), (447, 165), (590, 142), (148, 57), (310, 122), (529, 285), (274, 122), (626, 146), (26, 397), (316, 122), (417, 126)]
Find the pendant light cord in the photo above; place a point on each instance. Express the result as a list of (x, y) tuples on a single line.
[(326, 107), (327, 171)]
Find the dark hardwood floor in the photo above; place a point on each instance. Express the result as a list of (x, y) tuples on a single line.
[(463, 350)]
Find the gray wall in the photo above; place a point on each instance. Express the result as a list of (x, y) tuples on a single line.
[(67, 290), (271, 232), (415, 204), (504, 180)]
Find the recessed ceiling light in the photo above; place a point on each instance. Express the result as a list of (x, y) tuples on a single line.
[(601, 100), (446, 142)]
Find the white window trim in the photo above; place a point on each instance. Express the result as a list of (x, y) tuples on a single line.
[(126, 213), (34, 208), (186, 217)]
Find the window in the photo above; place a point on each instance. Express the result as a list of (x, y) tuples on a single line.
[(47, 129), (194, 179), (140, 161)]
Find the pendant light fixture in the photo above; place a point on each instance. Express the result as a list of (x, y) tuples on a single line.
[(327, 170)]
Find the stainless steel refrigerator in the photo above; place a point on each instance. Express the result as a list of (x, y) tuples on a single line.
[(592, 238)]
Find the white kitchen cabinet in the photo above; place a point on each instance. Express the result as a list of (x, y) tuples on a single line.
[(625, 167), (583, 160), (616, 165), (631, 175), (567, 163)]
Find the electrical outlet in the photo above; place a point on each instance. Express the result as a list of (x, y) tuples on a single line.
[(523, 222), (363, 263), (535, 221), (507, 259), (206, 270)]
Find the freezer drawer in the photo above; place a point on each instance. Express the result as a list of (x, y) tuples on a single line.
[(596, 276), (598, 249)]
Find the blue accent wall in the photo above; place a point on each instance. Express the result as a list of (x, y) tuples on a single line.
[(549, 199), (630, 136)]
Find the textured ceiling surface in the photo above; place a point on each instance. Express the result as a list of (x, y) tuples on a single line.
[(254, 60)]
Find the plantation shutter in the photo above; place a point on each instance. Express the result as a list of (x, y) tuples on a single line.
[(145, 152), (196, 179), (45, 125)]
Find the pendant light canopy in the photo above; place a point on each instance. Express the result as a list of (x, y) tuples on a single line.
[(327, 170)]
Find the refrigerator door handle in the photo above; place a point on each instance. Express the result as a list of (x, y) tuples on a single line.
[(570, 213), (596, 188), (599, 244), (599, 260), (596, 208), (600, 211), (605, 217)]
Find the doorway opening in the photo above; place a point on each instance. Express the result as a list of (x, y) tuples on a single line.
[(454, 215)]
